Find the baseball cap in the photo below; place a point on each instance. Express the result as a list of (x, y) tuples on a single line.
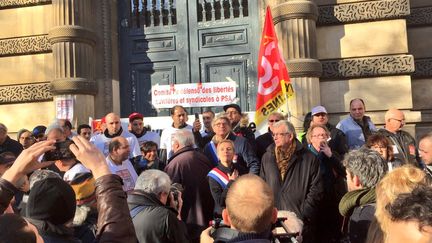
[(318, 109), (134, 116), (39, 130)]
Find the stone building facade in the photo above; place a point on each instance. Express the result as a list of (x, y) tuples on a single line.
[(336, 50)]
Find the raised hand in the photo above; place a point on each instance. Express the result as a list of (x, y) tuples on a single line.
[(27, 161), (89, 156)]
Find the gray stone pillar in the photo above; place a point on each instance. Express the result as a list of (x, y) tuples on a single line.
[(295, 23), (73, 42)]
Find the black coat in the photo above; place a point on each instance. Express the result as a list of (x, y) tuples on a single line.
[(262, 143), (156, 222), (246, 157), (190, 167), (302, 189), (10, 145), (405, 145)]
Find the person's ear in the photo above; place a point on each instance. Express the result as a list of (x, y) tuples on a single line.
[(356, 181), (225, 217), (274, 215)]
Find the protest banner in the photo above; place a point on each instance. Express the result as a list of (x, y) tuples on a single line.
[(194, 94)]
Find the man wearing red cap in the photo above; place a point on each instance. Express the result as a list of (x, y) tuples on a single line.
[(136, 122)]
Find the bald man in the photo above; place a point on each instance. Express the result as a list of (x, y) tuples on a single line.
[(404, 145), (357, 127), (119, 164), (250, 211), (425, 150), (114, 129)]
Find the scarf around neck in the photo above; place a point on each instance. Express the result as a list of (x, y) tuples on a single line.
[(283, 157), (356, 198)]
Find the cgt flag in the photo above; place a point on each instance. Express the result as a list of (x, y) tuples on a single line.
[(274, 86)]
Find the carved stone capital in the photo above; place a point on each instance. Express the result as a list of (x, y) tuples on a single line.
[(294, 10), (420, 17), (304, 67), (363, 11), (368, 67), (71, 33), (73, 86), (423, 68), (25, 93), (21, 3), (24, 45)]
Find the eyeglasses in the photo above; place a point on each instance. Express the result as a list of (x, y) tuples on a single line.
[(401, 121), (271, 121), (280, 134)]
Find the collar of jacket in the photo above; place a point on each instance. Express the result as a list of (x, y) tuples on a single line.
[(114, 135), (140, 134), (356, 198), (47, 228), (180, 151), (139, 198)]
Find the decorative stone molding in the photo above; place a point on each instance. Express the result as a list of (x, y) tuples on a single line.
[(24, 45), (293, 10), (368, 67), (71, 33), (423, 68), (21, 3), (25, 93), (304, 68), (363, 11), (73, 86), (420, 17)]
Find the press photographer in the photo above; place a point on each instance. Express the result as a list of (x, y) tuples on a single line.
[(153, 221), (249, 213)]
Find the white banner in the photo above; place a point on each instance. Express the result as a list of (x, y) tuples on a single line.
[(64, 107), (194, 94)]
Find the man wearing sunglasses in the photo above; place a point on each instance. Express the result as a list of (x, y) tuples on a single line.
[(404, 145), (264, 140)]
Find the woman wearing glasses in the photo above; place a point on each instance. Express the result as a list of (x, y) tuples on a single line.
[(333, 174)]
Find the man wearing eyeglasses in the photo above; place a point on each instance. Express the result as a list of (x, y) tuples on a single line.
[(404, 145), (264, 140), (293, 173)]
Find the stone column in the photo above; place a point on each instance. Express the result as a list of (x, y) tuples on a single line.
[(73, 42), (295, 23)]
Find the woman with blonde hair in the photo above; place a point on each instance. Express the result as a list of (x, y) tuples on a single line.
[(401, 180)]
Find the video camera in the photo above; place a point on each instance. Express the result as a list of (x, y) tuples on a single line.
[(279, 232)]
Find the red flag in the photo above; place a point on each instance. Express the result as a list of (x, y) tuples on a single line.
[(274, 86)]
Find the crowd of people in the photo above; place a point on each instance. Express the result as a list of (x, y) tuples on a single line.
[(214, 181)]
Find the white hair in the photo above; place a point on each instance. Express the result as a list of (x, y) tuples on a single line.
[(184, 138), (153, 181)]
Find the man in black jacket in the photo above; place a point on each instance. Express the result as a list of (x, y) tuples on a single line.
[(7, 144), (153, 221), (293, 174)]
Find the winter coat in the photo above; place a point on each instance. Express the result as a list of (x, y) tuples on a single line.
[(190, 167), (404, 146), (155, 222)]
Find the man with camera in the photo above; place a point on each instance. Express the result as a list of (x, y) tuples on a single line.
[(152, 219), (250, 213)]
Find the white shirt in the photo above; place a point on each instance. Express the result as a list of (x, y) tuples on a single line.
[(72, 172), (166, 138), (149, 136), (126, 171), (102, 143)]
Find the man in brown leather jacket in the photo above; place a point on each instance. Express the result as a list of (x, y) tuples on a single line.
[(114, 221)]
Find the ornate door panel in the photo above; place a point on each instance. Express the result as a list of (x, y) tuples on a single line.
[(181, 41)]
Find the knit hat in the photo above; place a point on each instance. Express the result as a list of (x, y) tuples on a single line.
[(51, 200), (39, 130), (235, 106), (84, 187)]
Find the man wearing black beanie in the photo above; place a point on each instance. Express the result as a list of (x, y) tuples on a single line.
[(50, 207)]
